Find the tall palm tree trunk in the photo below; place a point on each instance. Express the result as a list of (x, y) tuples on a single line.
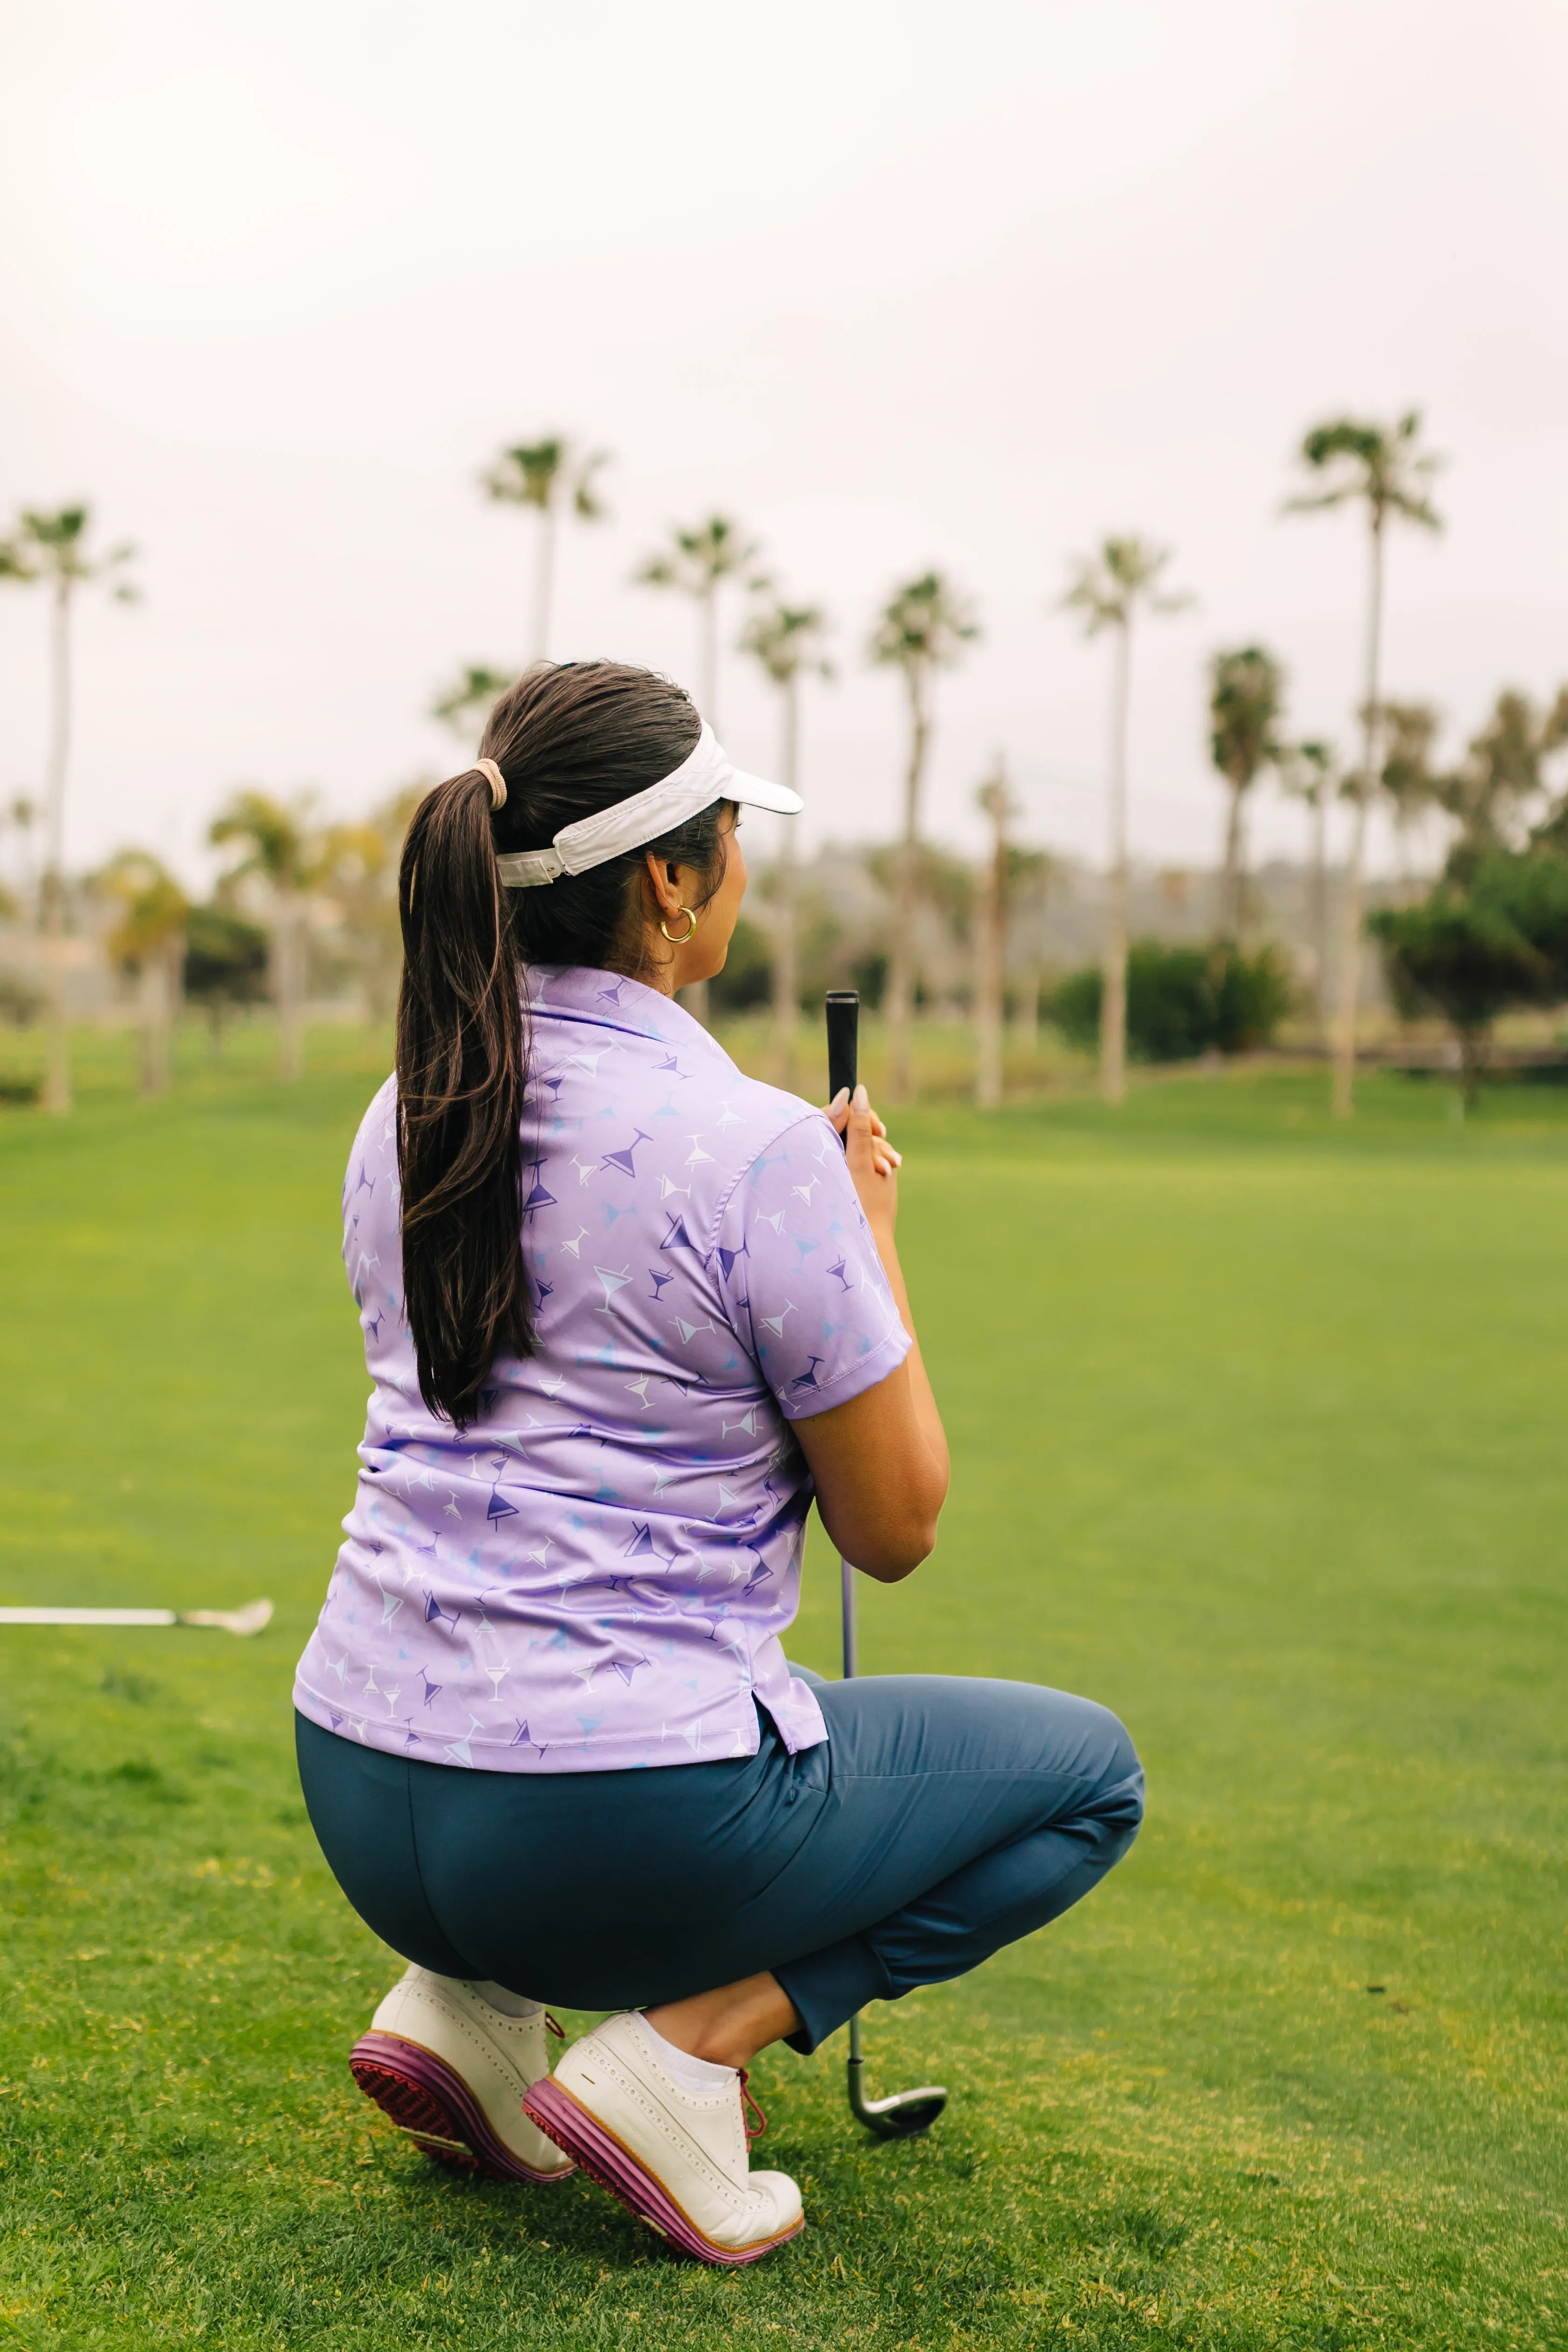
[(1233, 887), (901, 962), (787, 972), (695, 998), (157, 985), (58, 1067), (1319, 909), (989, 963), (708, 654), (1113, 999), (1350, 943), (287, 984), (543, 580)]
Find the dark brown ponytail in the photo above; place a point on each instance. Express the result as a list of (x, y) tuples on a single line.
[(459, 1096), (570, 741)]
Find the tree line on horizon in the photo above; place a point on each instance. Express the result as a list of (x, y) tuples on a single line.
[(1462, 950)]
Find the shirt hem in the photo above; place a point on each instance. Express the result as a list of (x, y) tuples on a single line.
[(720, 1742)]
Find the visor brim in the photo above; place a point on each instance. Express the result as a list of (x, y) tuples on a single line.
[(755, 791)]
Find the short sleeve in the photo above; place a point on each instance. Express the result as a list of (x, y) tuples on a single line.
[(801, 1283)]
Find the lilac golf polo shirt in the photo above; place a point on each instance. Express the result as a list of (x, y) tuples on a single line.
[(597, 1574)]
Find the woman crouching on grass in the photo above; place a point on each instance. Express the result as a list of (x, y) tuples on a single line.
[(627, 1314)]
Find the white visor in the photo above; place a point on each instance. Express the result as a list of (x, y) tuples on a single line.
[(701, 780)]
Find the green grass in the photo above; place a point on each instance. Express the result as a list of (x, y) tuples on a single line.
[(1257, 1432)]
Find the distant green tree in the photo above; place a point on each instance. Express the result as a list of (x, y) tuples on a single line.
[(278, 848), (745, 984), (1502, 773), (551, 476), (1182, 1002), (1247, 693), (148, 940), (1468, 962), (1109, 588), (226, 965), (1383, 470), (787, 640), (922, 628), (472, 693), (50, 549)]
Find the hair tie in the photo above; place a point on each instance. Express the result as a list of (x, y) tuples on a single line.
[(495, 780)]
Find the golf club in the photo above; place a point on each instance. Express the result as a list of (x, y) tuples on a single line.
[(246, 1620), (906, 2112)]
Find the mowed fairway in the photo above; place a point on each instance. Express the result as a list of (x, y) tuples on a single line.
[(1258, 1437)]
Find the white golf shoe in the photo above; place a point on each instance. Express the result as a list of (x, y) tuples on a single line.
[(676, 2157), (452, 2071)]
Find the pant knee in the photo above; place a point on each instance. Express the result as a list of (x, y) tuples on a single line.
[(1117, 1804)]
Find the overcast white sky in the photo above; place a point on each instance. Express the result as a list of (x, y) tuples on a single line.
[(897, 284)]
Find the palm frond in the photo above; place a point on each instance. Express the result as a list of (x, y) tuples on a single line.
[(1380, 466), (924, 624), (1123, 572), (698, 558), (785, 638)]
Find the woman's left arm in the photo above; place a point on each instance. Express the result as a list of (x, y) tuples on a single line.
[(881, 1462)]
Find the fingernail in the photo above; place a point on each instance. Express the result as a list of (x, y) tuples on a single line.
[(862, 1099), (839, 1099), (897, 1157)]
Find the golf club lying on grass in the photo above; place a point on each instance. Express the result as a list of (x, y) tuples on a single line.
[(249, 1620), (905, 2113)]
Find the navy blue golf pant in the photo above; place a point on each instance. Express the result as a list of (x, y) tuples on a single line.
[(941, 1819)]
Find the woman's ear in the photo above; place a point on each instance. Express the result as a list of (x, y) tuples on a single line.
[(663, 882)]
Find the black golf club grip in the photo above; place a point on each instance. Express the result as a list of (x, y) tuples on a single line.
[(843, 1005)]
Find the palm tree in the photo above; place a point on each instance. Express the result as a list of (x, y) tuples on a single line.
[(1383, 469), (148, 939), (279, 852), (696, 563), (994, 801), (786, 639), (1408, 782), (474, 689), (51, 548), (1108, 588), (923, 627), (1502, 771), (548, 476), (1030, 873), (1310, 774), (1246, 690)]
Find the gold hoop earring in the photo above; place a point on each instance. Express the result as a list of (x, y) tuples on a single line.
[(688, 935)]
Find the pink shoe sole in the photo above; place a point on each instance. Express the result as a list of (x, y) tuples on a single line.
[(604, 2159), (434, 2107)]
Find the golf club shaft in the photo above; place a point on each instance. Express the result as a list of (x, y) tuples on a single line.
[(842, 1007), (251, 1619), (843, 1011), (87, 1617)]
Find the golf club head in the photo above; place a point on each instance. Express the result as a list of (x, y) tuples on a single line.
[(246, 1620), (903, 2116)]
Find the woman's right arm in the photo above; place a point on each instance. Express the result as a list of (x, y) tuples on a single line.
[(881, 1462)]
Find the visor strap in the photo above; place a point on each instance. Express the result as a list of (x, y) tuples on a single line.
[(701, 779)]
